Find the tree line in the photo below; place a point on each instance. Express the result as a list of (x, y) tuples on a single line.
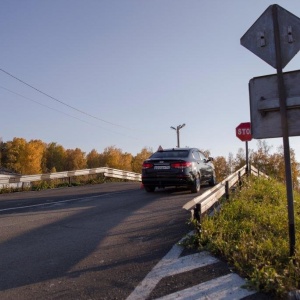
[(264, 159), (36, 157)]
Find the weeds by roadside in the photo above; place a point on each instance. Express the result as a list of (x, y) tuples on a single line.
[(251, 233)]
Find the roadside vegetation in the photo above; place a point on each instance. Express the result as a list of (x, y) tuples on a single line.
[(251, 233)]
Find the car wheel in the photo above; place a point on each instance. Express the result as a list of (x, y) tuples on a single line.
[(196, 185), (149, 188), (212, 181)]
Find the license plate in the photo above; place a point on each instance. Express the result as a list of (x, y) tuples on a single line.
[(161, 167)]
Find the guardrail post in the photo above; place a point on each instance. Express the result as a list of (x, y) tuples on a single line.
[(240, 179), (197, 217), (227, 190)]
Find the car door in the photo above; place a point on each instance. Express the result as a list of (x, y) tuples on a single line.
[(205, 166), (200, 166)]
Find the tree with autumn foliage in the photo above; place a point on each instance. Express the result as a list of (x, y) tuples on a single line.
[(113, 157), (240, 159), (221, 168), (273, 163), (75, 160), (126, 162), (93, 159), (269, 163), (24, 157), (13, 154), (55, 156), (138, 160), (34, 154)]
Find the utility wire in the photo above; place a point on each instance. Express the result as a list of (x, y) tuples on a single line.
[(61, 102), (2, 87)]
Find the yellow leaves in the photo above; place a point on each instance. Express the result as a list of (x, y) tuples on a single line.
[(93, 159), (23, 157), (113, 157), (75, 160), (55, 158), (35, 157), (139, 159), (221, 168)]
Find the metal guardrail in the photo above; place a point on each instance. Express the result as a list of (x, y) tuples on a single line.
[(108, 172), (205, 201)]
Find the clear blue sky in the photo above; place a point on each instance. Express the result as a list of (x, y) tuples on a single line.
[(131, 69)]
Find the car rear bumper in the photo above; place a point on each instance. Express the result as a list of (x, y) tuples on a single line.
[(164, 182)]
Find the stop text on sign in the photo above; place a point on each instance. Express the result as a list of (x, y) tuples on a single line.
[(243, 132)]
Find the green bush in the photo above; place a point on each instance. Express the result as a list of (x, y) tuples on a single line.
[(251, 232)]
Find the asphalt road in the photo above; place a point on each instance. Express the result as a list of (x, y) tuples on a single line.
[(91, 242)]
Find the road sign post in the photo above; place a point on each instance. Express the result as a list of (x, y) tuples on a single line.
[(275, 38), (243, 132), (285, 133)]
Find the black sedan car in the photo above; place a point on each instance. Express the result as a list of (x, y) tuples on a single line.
[(180, 167)]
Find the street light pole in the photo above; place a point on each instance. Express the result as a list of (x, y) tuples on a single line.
[(177, 132)]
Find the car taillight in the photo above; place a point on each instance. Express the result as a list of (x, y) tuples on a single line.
[(147, 165), (179, 165)]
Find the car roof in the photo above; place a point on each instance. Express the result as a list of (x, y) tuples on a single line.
[(177, 149)]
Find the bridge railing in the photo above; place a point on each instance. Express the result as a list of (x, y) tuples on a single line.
[(205, 201), (6, 180)]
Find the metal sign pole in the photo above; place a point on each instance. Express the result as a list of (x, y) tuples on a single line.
[(247, 158), (285, 134)]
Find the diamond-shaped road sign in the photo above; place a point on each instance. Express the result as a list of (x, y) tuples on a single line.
[(260, 38)]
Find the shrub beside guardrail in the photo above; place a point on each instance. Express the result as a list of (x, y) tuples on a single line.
[(205, 201)]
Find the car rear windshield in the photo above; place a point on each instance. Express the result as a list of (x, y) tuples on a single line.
[(170, 154)]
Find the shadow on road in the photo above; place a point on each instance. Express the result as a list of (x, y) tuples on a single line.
[(107, 226)]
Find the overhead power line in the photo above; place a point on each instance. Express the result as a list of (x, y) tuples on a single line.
[(61, 102), (37, 102), (54, 109)]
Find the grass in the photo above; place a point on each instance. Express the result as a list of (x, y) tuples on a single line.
[(251, 231)]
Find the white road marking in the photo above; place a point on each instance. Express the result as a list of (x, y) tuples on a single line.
[(226, 287), (184, 264), (171, 264), (151, 280)]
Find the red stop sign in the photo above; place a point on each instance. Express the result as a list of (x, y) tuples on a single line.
[(243, 132)]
